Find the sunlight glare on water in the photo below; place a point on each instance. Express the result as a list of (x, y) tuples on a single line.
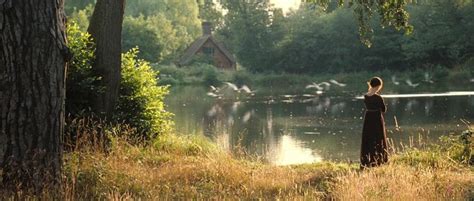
[(289, 151), (294, 127)]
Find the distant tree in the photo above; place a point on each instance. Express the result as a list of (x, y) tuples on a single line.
[(391, 13), (74, 5), (162, 30), (443, 33), (106, 31), (247, 32), (32, 90), (209, 12)]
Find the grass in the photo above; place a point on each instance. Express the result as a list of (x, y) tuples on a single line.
[(192, 167)]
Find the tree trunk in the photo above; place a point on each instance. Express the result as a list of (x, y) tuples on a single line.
[(106, 30), (33, 57)]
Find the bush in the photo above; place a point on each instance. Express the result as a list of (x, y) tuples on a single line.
[(242, 77), (170, 74), (140, 101), (211, 76), (440, 73), (452, 151), (81, 84)]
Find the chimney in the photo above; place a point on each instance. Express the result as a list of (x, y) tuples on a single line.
[(206, 28)]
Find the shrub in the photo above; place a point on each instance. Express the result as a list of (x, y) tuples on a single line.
[(210, 75), (242, 77), (81, 87), (170, 74), (440, 73), (141, 99)]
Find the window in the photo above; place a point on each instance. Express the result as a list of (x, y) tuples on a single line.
[(209, 51)]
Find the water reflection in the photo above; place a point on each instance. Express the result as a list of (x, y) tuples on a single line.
[(289, 151), (289, 129)]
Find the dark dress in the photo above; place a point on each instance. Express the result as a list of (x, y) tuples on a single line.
[(373, 150)]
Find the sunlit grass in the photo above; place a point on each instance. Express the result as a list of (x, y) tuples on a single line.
[(185, 167), (177, 167)]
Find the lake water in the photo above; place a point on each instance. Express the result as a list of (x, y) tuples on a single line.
[(294, 126)]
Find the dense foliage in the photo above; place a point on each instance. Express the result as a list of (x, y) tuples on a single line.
[(81, 81), (141, 99), (162, 29), (314, 40), (311, 39)]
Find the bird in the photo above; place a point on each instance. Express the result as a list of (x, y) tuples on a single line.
[(428, 78), (232, 86), (411, 84), (247, 90), (325, 83), (214, 95), (472, 80), (214, 89), (394, 80), (314, 85), (337, 83)]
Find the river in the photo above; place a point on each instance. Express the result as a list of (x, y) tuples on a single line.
[(293, 126)]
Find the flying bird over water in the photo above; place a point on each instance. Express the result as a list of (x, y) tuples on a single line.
[(325, 83), (232, 86), (394, 80), (428, 78), (411, 83), (213, 88), (214, 95), (247, 90), (314, 85), (337, 83)]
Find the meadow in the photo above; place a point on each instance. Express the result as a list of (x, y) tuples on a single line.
[(191, 167)]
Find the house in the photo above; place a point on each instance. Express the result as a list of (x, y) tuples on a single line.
[(207, 46)]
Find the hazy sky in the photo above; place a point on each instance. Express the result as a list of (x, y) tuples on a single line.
[(286, 4)]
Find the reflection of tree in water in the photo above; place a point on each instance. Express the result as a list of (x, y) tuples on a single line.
[(329, 125), (228, 123)]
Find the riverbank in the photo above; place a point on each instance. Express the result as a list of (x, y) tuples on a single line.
[(176, 167), (202, 74)]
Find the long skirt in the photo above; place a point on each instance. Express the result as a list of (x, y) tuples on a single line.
[(374, 149)]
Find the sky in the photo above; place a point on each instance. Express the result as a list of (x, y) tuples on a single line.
[(286, 4)]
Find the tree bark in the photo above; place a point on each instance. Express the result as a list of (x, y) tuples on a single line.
[(106, 30), (33, 57)]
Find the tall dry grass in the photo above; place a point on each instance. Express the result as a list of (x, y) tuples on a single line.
[(178, 167), (402, 182)]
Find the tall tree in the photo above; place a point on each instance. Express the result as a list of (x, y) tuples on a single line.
[(32, 89), (247, 32), (106, 30), (391, 13)]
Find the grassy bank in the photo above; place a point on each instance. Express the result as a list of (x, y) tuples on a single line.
[(192, 167), (175, 167)]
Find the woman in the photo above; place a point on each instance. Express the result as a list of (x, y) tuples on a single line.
[(374, 140)]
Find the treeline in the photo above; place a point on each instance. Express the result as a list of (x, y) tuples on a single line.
[(309, 39), (314, 40)]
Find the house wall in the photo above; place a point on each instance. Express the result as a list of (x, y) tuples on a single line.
[(220, 60)]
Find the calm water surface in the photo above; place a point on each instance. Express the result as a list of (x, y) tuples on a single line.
[(293, 126)]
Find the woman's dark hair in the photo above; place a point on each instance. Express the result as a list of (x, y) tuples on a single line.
[(375, 82)]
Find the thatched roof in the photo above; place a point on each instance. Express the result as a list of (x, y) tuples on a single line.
[(197, 44)]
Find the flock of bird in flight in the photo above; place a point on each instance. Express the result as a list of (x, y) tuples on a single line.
[(218, 92)]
